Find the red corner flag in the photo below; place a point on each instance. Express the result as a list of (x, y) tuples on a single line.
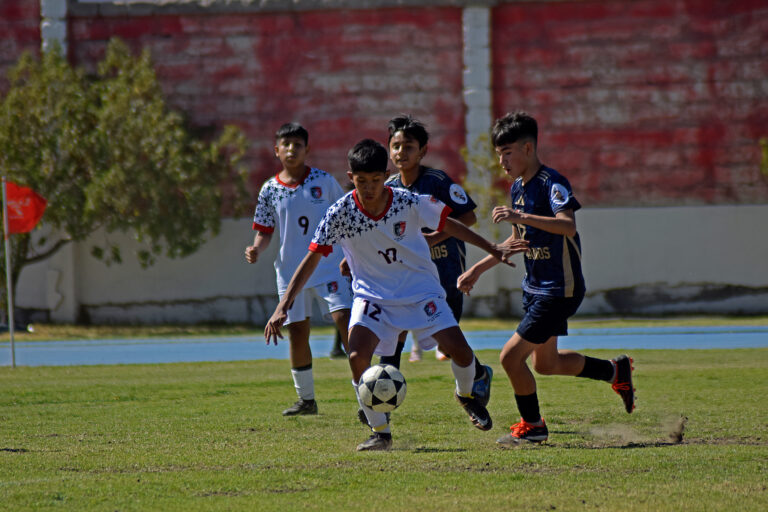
[(25, 208)]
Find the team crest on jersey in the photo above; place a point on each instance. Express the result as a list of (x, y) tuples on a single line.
[(431, 308), (399, 229), (457, 194), (317, 192), (333, 287), (559, 194)]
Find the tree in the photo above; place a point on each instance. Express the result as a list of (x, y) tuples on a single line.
[(107, 153)]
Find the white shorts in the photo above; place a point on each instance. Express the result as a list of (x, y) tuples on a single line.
[(423, 319), (331, 296)]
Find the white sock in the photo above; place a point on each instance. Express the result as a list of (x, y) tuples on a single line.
[(377, 420), (304, 382), (465, 377)]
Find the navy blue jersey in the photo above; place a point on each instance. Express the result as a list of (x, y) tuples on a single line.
[(552, 262), (448, 255)]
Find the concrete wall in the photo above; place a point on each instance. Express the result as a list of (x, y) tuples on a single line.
[(654, 110)]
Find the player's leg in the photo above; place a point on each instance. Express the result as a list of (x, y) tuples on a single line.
[(362, 343), (416, 352), (452, 342), (341, 319), (300, 356), (338, 352), (549, 360), (455, 300), (395, 358), (513, 359)]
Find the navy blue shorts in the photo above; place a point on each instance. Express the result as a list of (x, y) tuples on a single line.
[(546, 316)]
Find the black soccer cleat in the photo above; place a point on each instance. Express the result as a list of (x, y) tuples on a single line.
[(622, 383), (301, 407), (477, 412), (378, 441)]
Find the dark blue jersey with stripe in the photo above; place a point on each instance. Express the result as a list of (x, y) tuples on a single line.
[(448, 255), (552, 262)]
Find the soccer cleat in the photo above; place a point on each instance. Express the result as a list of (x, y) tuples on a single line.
[(338, 353), (301, 407), (440, 356), (481, 389), (622, 383), (524, 432), (478, 414), (377, 441)]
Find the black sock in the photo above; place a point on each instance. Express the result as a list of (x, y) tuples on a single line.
[(394, 359), (479, 369), (598, 369), (528, 405)]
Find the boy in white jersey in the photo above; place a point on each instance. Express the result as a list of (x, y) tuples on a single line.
[(295, 200), (395, 283)]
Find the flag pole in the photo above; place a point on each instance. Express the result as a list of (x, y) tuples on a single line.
[(9, 290)]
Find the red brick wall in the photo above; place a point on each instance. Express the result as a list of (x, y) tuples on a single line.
[(654, 102), (342, 74), (19, 31)]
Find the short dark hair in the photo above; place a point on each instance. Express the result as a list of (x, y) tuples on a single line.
[(292, 130), (368, 156), (513, 127), (410, 127)]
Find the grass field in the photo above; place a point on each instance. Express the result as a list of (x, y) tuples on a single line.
[(209, 436)]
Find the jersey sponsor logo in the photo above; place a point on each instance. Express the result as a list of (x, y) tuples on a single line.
[(457, 194), (399, 229), (333, 287), (317, 192), (430, 308), (558, 194)]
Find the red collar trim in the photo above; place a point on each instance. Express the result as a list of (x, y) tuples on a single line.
[(382, 214), (300, 182)]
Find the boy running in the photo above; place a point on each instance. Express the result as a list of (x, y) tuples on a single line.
[(295, 200), (542, 212), (395, 283)]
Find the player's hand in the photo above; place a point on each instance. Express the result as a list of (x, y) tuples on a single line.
[(251, 254), (344, 268), (272, 329), (510, 248), (466, 281), (505, 213)]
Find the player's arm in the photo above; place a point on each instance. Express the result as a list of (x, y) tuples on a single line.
[(304, 271), (467, 280), (260, 243), (563, 223), (467, 218), (501, 252)]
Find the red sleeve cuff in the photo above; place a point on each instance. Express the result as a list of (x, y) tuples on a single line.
[(264, 229), (325, 250), (446, 211)]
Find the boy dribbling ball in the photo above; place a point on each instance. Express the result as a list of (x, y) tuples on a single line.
[(395, 283)]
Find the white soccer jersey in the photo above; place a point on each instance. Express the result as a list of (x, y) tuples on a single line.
[(296, 210), (388, 255)]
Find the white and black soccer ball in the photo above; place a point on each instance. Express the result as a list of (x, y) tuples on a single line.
[(382, 388)]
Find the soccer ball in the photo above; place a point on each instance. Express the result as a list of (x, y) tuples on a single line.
[(382, 388)]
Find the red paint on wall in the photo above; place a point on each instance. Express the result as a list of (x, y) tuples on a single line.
[(641, 103)]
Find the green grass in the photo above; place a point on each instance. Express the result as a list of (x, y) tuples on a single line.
[(209, 436), (47, 332)]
